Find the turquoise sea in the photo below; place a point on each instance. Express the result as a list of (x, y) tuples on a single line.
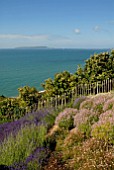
[(21, 67)]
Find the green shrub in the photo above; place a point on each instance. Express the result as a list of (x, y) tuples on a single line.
[(110, 106), (73, 139), (50, 119), (98, 108), (50, 142), (87, 104), (93, 119), (33, 165), (85, 128), (67, 123), (104, 132)]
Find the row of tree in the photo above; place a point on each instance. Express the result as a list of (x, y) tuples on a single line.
[(97, 68)]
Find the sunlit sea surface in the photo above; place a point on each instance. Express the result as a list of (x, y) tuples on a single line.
[(21, 67)]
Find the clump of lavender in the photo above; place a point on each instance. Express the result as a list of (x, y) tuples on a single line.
[(87, 104), (101, 99), (109, 104), (104, 128), (34, 161), (105, 117), (82, 117), (14, 137), (78, 101), (95, 103), (18, 148), (13, 127), (67, 114)]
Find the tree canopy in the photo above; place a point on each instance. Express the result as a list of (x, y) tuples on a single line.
[(62, 83), (97, 68)]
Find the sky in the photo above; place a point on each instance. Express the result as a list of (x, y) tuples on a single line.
[(57, 23)]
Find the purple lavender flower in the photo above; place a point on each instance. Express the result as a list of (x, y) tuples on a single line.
[(82, 116), (13, 127), (109, 104), (78, 101), (39, 155), (106, 117), (67, 113)]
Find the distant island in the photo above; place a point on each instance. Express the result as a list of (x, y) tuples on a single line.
[(33, 47)]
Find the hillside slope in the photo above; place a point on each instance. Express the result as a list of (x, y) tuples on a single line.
[(84, 135)]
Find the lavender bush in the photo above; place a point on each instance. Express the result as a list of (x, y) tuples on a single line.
[(34, 161), (104, 128), (82, 117), (16, 149), (67, 113), (15, 137), (13, 127), (105, 117), (93, 102), (109, 104), (78, 101)]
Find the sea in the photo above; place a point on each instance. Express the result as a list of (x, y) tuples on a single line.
[(31, 67)]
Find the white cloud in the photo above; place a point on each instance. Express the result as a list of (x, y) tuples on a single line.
[(97, 28), (77, 31), (19, 36)]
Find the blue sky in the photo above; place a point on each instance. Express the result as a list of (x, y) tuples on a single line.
[(57, 23)]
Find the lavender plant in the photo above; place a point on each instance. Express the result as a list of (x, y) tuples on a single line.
[(13, 127), (82, 117), (109, 104), (78, 101), (104, 128), (19, 148), (67, 114)]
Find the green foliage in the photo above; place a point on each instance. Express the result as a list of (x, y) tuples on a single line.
[(50, 141), (62, 83), (80, 75), (2, 98), (33, 165), (16, 149), (67, 123), (93, 119), (87, 104), (14, 108), (10, 110), (28, 96), (50, 119), (104, 132), (85, 128), (99, 67), (73, 139), (110, 106), (98, 108), (37, 162)]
